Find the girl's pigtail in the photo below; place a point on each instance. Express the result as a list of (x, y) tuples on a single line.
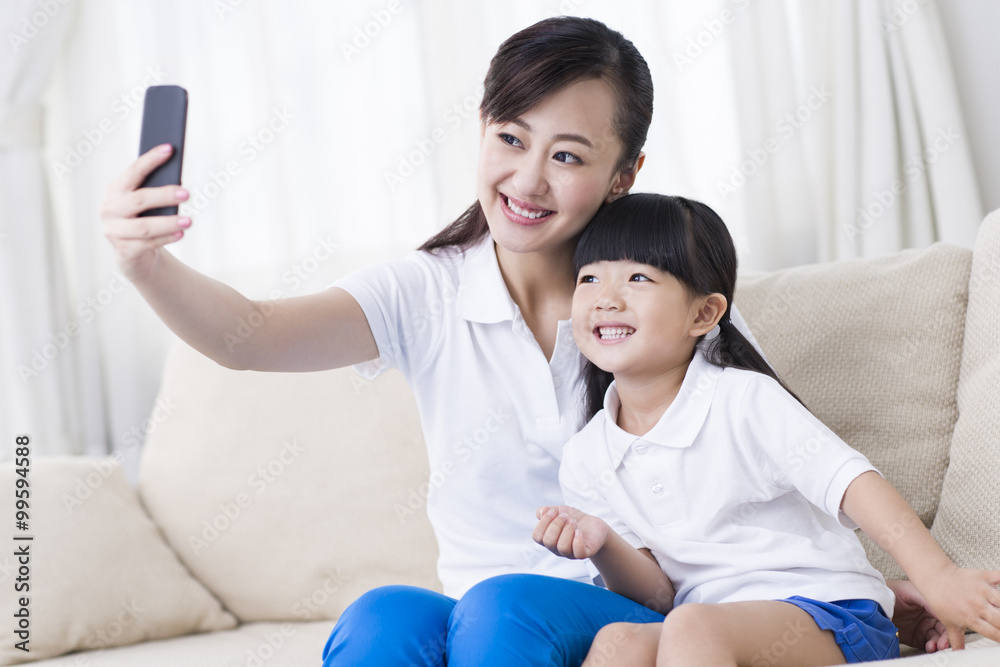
[(731, 348)]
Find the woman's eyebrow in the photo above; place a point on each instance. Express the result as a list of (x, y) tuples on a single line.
[(565, 136)]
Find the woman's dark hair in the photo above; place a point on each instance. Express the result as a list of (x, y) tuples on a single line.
[(543, 59), (686, 239)]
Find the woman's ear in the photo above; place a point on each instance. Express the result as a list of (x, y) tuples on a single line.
[(710, 310), (624, 180)]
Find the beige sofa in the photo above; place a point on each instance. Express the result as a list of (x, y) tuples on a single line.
[(266, 503)]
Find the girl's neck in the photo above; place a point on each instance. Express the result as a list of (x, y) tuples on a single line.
[(644, 399), (539, 282)]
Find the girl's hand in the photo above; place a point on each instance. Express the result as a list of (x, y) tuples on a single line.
[(137, 241), (963, 599), (917, 625), (568, 532)]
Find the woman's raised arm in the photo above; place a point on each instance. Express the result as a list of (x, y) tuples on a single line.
[(307, 333)]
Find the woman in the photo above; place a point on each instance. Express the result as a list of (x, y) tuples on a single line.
[(478, 321)]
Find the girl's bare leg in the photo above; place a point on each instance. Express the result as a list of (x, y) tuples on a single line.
[(625, 645), (751, 634)]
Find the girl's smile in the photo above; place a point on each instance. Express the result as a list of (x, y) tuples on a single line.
[(633, 319), (611, 333)]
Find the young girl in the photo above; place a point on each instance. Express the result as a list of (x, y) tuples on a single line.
[(693, 492), (478, 322)]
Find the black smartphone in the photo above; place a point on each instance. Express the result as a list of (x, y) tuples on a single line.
[(164, 117)]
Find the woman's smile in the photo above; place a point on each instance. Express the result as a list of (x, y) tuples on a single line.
[(523, 213)]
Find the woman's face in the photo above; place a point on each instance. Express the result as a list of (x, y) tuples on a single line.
[(543, 176)]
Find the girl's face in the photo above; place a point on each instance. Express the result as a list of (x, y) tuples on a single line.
[(634, 320), (543, 176)]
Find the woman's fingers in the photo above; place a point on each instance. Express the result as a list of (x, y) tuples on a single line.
[(130, 203), (137, 172), (120, 229)]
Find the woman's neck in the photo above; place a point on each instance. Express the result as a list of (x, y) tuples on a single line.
[(644, 399), (540, 283)]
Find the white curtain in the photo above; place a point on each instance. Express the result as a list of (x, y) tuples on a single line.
[(39, 395), (324, 136)]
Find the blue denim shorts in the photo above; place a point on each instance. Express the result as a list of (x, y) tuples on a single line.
[(860, 627)]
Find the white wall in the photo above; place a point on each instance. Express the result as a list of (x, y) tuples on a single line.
[(971, 28)]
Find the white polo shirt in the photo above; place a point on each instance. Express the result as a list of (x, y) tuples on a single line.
[(494, 412), (736, 491)]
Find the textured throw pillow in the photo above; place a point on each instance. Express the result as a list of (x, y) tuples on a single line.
[(98, 572), (289, 494), (872, 346), (968, 520)]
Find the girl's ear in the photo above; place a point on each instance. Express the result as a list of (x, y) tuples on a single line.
[(624, 180), (710, 310)]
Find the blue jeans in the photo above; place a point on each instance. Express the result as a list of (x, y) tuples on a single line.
[(515, 619)]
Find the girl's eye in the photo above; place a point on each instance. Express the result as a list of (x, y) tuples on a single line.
[(509, 139), (638, 278), (568, 158), (587, 279)]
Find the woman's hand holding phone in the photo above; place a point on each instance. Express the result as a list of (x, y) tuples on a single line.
[(137, 240)]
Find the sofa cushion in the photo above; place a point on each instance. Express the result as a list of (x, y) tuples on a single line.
[(289, 494), (99, 572), (872, 346), (967, 526), (251, 645)]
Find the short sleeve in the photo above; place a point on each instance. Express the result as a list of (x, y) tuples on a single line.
[(582, 488), (798, 450), (396, 297)]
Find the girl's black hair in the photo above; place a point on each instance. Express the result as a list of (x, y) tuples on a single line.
[(543, 59), (686, 239)]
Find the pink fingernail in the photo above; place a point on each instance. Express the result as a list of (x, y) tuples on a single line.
[(178, 235), (181, 194), (165, 148), (184, 223)]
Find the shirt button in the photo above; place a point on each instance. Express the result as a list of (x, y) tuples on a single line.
[(640, 449), (657, 489), (557, 381)]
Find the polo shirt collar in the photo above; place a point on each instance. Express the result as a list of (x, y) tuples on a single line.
[(483, 296), (682, 420)]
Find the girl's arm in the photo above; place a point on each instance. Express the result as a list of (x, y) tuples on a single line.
[(633, 573), (960, 598), (316, 332)]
